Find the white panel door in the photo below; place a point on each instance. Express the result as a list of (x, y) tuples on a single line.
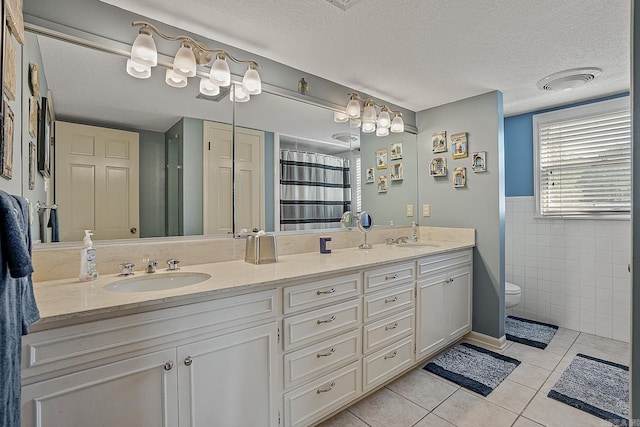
[(249, 179), (97, 183)]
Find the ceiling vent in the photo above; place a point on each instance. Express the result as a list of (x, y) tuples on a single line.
[(224, 91), (569, 79), (345, 137), (343, 4)]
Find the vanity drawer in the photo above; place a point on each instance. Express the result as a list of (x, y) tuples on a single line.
[(387, 362), (384, 331), (321, 292), (318, 359), (383, 278), (322, 323), (437, 264), (392, 300), (312, 401)]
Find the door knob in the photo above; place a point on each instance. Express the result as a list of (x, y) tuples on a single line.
[(133, 230)]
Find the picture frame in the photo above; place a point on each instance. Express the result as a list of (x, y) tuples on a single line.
[(460, 177), (459, 145), (439, 142), (44, 140), (15, 19), (6, 148), (33, 155), (371, 178), (381, 159), (438, 167), (396, 150), (383, 184), (34, 80), (9, 66), (479, 161), (33, 116), (397, 172)]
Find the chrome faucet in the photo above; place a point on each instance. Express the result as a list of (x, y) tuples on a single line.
[(402, 239), (173, 265), (127, 269), (151, 266)]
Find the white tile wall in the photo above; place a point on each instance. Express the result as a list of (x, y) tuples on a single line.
[(573, 273)]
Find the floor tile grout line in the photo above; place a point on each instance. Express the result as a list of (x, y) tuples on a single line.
[(369, 425)]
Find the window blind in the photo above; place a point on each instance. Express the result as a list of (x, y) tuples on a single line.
[(358, 184), (585, 165)]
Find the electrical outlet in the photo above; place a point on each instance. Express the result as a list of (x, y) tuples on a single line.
[(409, 210), (426, 210)]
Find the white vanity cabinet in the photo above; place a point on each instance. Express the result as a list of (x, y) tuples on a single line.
[(444, 300), (195, 365)]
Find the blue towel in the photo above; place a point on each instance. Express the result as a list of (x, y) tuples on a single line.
[(53, 224), (18, 308)]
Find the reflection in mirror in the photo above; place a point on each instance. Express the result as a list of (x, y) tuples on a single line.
[(365, 224), (347, 220)]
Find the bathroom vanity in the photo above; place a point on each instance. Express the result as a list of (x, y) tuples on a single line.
[(285, 344)]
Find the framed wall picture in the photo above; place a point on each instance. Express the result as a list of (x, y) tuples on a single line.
[(439, 142), (459, 145), (460, 177), (371, 178), (396, 150), (34, 80), (14, 19), (33, 116), (10, 66), (6, 148), (479, 161), (397, 172), (383, 185), (33, 155), (381, 159), (438, 167), (44, 140)]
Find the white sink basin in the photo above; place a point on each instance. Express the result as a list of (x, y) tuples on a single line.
[(159, 282), (432, 245)]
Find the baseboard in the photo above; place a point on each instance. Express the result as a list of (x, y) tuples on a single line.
[(497, 344)]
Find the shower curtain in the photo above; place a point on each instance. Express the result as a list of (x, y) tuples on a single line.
[(315, 190)]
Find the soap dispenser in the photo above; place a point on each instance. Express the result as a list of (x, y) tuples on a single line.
[(414, 232), (88, 269)]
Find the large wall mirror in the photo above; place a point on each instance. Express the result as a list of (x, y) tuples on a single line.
[(188, 184)]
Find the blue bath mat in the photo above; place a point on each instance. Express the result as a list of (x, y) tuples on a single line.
[(472, 367), (529, 332), (596, 386)]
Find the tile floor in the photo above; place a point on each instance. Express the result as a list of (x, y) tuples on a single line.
[(421, 399)]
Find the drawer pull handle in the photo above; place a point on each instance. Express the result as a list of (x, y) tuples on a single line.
[(329, 320), (330, 291), (324, 390), (391, 356), (395, 276), (168, 365), (388, 300), (388, 328), (329, 353)]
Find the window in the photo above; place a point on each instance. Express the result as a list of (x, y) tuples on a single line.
[(583, 160), (358, 184)]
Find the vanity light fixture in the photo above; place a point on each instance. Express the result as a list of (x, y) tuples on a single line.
[(368, 118), (144, 56)]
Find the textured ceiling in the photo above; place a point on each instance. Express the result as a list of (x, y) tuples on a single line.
[(424, 53)]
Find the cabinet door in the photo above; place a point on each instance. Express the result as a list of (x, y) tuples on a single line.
[(459, 302), (229, 380), (133, 392), (431, 315)]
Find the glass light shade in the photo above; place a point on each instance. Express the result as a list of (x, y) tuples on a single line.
[(397, 124), (208, 88), (220, 73), (144, 50), (251, 83), (240, 94), (353, 109), (355, 123), (185, 62), (368, 127), (384, 119), (369, 113), (340, 117), (380, 131), (138, 70), (174, 79)]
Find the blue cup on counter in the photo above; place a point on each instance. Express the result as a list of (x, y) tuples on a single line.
[(325, 247)]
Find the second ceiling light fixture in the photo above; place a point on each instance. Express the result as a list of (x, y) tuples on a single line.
[(191, 53), (381, 123)]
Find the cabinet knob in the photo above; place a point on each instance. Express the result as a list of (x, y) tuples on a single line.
[(188, 361), (168, 365)]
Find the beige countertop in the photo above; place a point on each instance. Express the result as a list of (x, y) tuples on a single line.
[(72, 301)]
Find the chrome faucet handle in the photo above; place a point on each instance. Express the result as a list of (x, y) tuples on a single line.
[(151, 266), (127, 268), (390, 240), (402, 239), (173, 265)]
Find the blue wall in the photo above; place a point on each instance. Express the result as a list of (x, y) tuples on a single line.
[(518, 149)]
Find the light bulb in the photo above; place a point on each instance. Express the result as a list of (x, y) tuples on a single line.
[(174, 79), (340, 117), (143, 50), (208, 88), (384, 119), (251, 83), (380, 131), (397, 124), (353, 107), (185, 61), (220, 73), (368, 127), (138, 70)]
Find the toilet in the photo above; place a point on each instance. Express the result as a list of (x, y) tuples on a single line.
[(512, 294)]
